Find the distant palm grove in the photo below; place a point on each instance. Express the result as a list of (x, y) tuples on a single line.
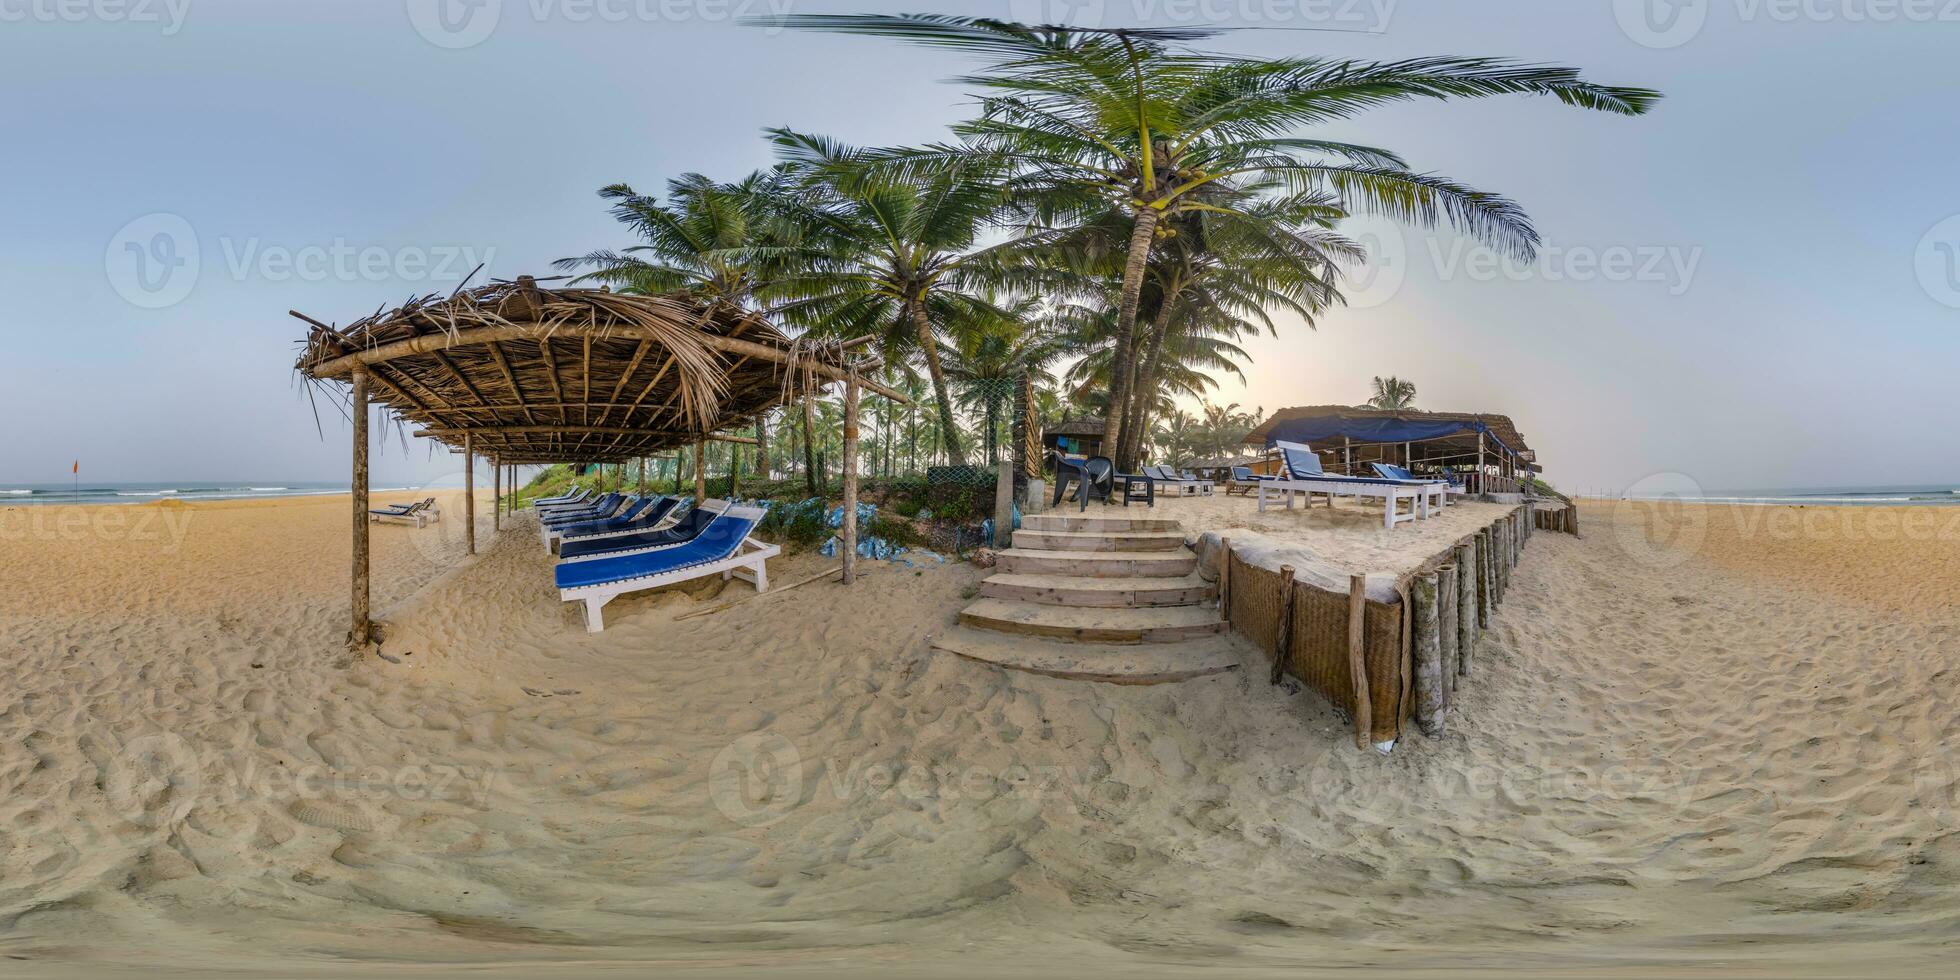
[(1122, 211)]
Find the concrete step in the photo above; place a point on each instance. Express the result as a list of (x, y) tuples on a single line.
[(1083, 590), (1092, 625), (1098, 564), (1060, 521), (1132, 663), (1098, 540)]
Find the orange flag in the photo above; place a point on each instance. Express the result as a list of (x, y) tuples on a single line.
[(77, 469)]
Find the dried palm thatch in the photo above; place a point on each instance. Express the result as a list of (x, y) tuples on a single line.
[(538, 375)]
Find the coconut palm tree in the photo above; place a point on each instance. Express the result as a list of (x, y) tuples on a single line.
[(991, 358), (704, 241), (1392, 393), (1124, 118), (882, 255)]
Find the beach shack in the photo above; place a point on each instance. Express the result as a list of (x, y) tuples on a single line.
[(1486, 452), (1074, 437), (521, 374)]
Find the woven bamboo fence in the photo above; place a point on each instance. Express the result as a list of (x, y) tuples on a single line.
[(1418, 631)]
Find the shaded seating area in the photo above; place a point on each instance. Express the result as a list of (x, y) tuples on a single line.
[(1480, 453), (722, 545), (516, 374)]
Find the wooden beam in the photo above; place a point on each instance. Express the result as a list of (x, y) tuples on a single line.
[(441, 432), (551, 372), (426, 343), (357, 637)]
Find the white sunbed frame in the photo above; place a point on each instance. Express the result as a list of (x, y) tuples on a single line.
[(420, 516), (1391, 494), (749, 563), (1179, 485)]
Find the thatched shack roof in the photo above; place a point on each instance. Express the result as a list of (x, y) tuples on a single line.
[(537, 375), (1075, 427), (1499, 425)]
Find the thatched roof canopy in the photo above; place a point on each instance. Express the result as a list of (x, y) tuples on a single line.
[(1075, 427), (570, 375)]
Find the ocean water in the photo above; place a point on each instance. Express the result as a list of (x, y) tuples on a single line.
[(142, 493), (1937, 495)]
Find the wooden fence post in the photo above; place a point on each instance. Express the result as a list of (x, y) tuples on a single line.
[(1466, 608), (1364, 709), (848, 539), (1283, 641), (1446, 631), (1425, 620)]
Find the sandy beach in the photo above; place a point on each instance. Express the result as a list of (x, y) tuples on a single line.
[(1706, 738)]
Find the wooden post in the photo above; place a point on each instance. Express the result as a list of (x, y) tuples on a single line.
[(1483, 486), (1283, 640), (1446, 629), (1427, 623), (734, 471), (1483, 579), (496, 495), (357, 637), (1364, 709), (1466, 606), (848, 538), (700, 471), (1225, 581), (469, 490), (643, 474), (1004, 505)]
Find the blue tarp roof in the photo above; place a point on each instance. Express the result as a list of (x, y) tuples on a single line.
[(1318, 429)]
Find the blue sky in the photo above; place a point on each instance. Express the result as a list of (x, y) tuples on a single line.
[(1750, 285)]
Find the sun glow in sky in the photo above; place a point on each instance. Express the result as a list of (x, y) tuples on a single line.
[(1754, 285)]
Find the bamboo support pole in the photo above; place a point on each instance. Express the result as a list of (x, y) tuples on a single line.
[(700, 471), (496, 496), (849, 535), (1466, 606), (1004, 506), (1364, 722), (1283, 637), (469, 490), (1428, 652), (357, 636)]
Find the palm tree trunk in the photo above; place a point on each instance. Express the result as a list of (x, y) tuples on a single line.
[(930, 346), (1020, 425), (810, 446), (1145, 387), (1134, 264)]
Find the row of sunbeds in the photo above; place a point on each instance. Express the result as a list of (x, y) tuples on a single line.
[(612, 544), (1302, 473)]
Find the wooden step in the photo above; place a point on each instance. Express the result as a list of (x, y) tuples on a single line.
[(1098, 564), (1098, 540), (1083, 590), (1105, 625), (1070, 522), (1133, 663)]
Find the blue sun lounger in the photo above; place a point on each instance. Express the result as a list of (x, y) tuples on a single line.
[(1304, 475), (645, 515), (722, 546), (598, 510), (564, 498), (684, 529)]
